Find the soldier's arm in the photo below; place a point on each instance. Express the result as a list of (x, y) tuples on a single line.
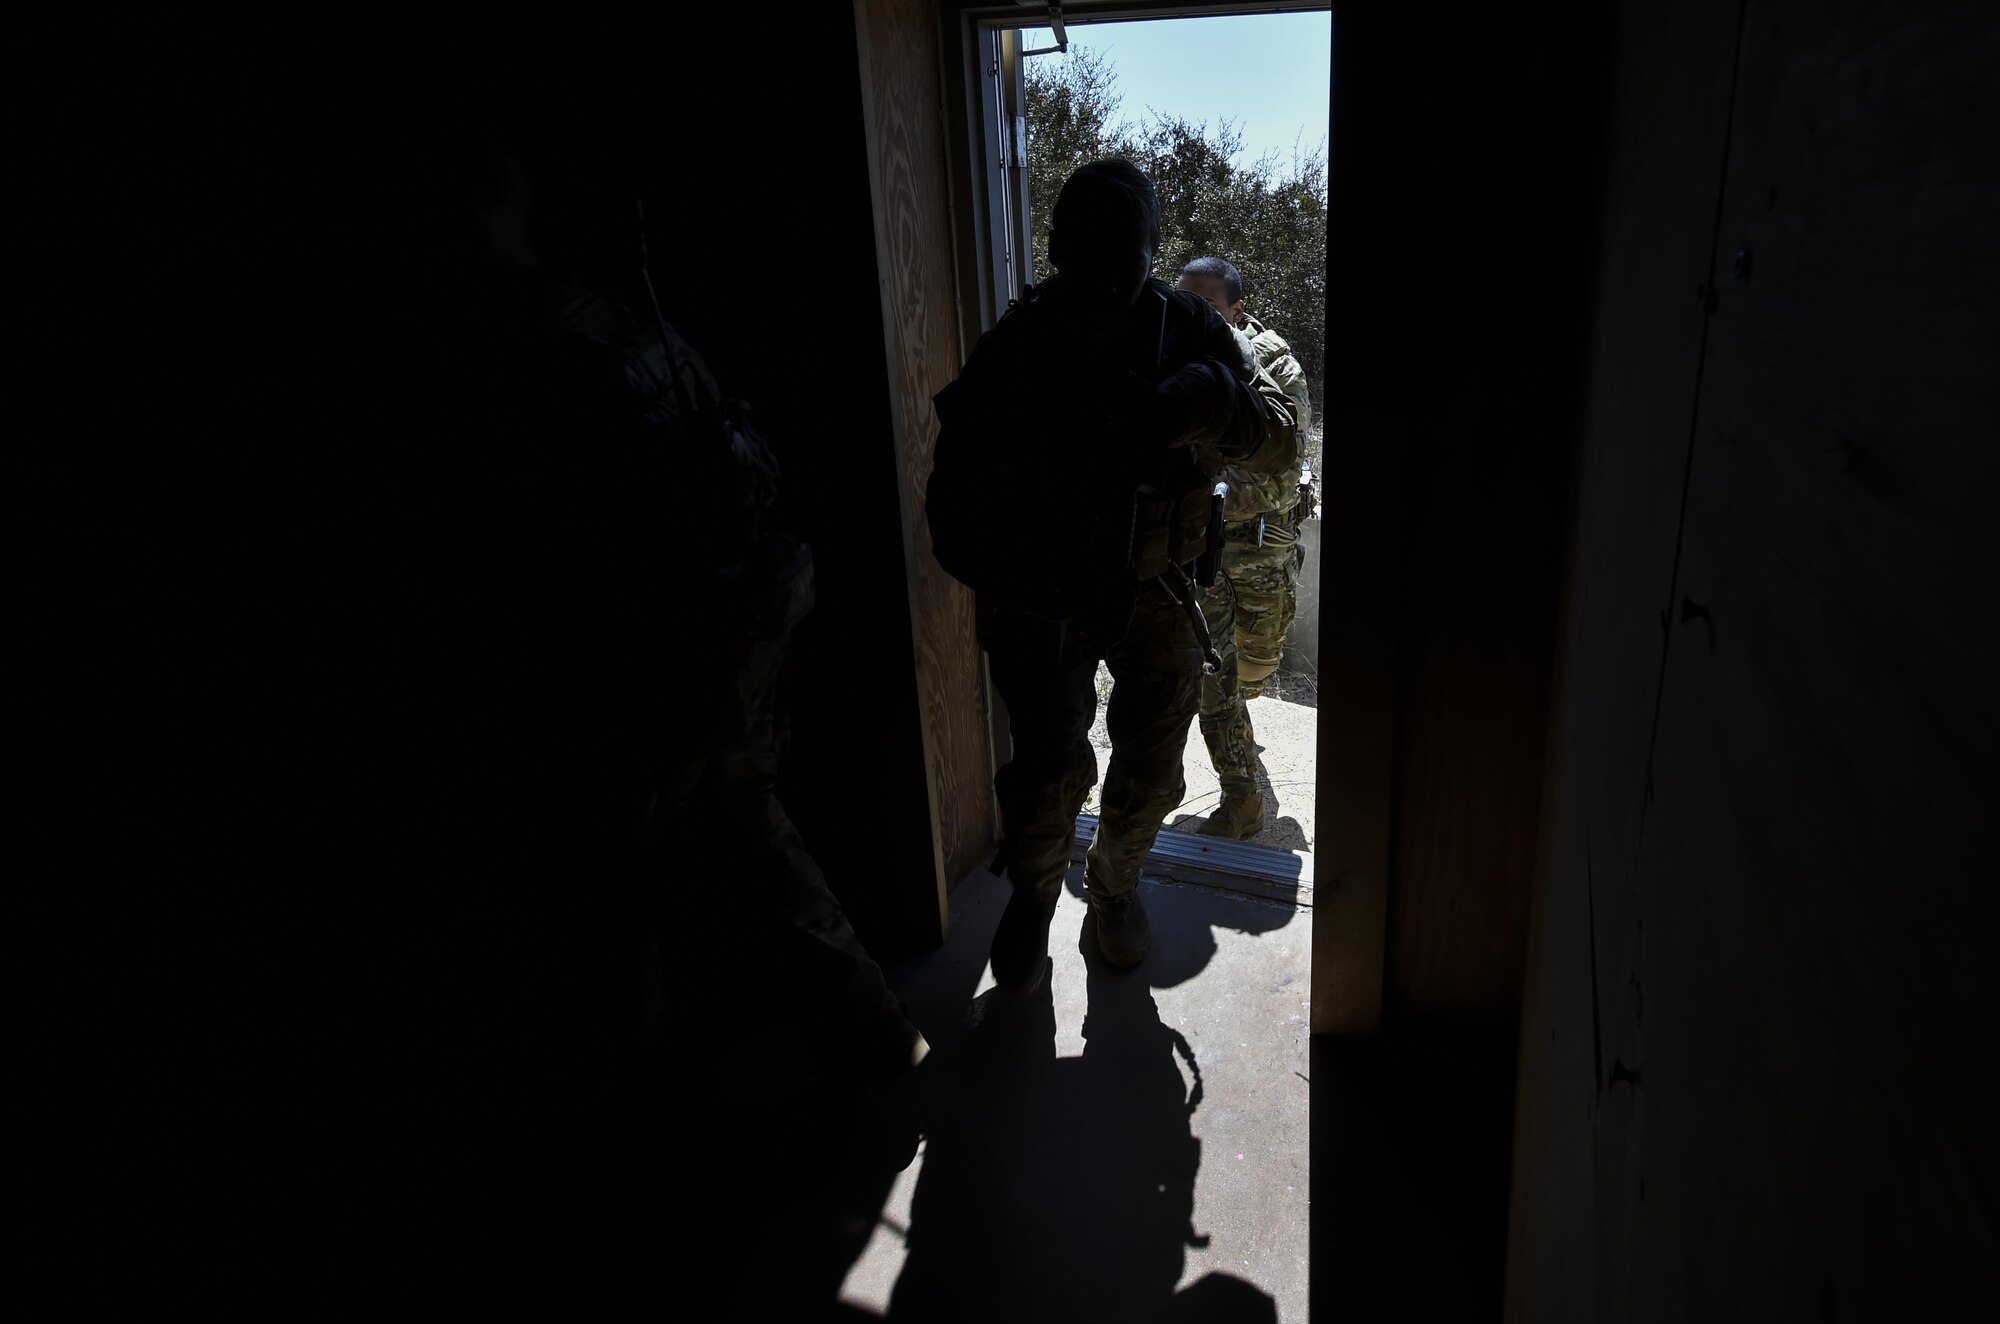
[(1290, 375), (1225, 406), (1259, 432)]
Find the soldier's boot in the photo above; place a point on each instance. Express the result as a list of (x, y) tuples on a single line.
[(1237, 818), (1124, 934), (1111, 881), (1232, 744)]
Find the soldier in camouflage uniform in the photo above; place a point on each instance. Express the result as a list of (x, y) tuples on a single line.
[(655, 599), (1252, 603), (1073, 490)]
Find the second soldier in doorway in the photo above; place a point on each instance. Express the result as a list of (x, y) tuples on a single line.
[(1252, 603), (1073, 490)]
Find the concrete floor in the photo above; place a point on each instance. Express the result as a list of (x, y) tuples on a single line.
[(1130, 1146), (1286, 720)]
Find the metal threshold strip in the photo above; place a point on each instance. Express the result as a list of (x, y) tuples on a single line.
[(1230, 866)]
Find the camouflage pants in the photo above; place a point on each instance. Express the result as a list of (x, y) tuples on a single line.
[(1250, 609), (1047, 675), (718, 817)]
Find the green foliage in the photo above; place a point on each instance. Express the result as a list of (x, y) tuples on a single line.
[(1266, 216)]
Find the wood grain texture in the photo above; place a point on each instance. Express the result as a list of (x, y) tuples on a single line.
[(902, 100), (1488, 456), (1361, 513), (1785, 1109), (1668, 127), (1451, 416)]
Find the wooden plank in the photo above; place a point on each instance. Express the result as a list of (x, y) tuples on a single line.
[(1450, 434), (902, 102), (1490, 423), (1668, 126), (1793, 1115), (1361, 513), (1815, 879)]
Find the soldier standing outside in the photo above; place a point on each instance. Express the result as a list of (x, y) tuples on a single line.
[(1251, 605)]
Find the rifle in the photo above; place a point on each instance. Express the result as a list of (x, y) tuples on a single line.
[(1130, 447)]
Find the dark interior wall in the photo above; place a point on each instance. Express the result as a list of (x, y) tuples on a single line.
[(1752, 1060), (1463, 222), (1462, 215)]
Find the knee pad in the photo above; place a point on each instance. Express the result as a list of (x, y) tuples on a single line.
[(1250, 673)]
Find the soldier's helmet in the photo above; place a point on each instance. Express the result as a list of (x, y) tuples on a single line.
[(1105, 230)]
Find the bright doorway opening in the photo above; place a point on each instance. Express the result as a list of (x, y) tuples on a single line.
[(1228, 116)]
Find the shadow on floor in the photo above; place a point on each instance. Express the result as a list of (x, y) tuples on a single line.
[(1293, 685), (1185, 920), (1062, 1189), (1281, 832), (937, 986), (1285, 833)]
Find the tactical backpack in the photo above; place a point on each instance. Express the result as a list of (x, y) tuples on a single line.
[(1032, 500), (1015, 529)]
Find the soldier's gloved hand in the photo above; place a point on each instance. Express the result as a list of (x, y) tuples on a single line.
[(1185, 403)]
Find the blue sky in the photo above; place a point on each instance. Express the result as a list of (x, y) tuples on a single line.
[(1267, 73)]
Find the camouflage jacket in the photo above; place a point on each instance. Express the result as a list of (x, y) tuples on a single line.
[(1050, 481), (614, 514), (1251, 492), (714, 479)]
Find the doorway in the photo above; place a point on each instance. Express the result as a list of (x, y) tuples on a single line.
[(1177, 1092), (1227, 115)]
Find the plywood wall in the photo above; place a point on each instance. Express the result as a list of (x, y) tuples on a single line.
[(903, 105), (1753, 1060), (1462, 195)]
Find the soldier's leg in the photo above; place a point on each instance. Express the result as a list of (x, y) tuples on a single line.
[(1225, 718), (1155, 693), (1046, 675), (1266, 602), (832, 990)]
